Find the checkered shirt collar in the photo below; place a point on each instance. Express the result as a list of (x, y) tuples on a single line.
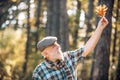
[(55, 65)]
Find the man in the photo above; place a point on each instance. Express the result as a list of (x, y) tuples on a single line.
[(58, 65)]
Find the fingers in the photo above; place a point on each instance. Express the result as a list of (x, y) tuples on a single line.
[(104, 20), (103, 23)]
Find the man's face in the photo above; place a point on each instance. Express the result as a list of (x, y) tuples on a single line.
[(53, 52)]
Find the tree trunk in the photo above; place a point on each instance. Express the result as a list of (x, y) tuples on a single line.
[(100, 64), (28, 38), (57, 21), (112, 75), (64, 25), (53, 15), (4, 6), (89, 17), (37, 22), (16, 25), (118, 66), (89, 29), (75, 35)]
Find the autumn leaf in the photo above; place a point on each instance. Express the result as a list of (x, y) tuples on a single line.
[(101, 10)]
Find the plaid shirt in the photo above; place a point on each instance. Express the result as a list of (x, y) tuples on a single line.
[(47, 71)]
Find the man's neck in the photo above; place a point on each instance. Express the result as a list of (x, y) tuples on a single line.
[(51, 60)]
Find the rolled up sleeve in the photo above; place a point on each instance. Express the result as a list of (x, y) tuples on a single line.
[(75, 55)]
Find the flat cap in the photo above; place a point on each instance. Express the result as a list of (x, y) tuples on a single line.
[(45, 42)]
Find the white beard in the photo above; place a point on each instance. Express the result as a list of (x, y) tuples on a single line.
[(60, 55), (56, 55)]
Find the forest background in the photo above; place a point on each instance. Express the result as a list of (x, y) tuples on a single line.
[(24, 22)]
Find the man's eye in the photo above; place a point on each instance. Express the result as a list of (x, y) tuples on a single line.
[(53, 46)]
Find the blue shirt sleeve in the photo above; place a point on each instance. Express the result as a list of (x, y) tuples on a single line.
[(75, 55)]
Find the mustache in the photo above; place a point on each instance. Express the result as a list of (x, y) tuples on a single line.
[(61, 54)]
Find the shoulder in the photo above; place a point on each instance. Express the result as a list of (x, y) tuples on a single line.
[(39, 68)]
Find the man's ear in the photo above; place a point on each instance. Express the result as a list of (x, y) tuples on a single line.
[(44, 54)]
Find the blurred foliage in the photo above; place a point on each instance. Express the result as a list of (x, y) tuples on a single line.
[(12, 51), (13, 41)]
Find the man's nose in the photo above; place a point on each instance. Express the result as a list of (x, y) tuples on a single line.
[(58, 46)]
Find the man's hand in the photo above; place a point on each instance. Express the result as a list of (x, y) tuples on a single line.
[(103, 23)]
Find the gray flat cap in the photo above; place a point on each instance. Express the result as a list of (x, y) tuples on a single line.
[(45, 42)]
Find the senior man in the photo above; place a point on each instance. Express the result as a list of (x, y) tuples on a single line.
[(58, 65)]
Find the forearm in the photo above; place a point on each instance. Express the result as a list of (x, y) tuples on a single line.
[(91, 43)]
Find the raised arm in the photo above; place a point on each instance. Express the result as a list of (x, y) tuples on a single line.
[(91, 43)]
